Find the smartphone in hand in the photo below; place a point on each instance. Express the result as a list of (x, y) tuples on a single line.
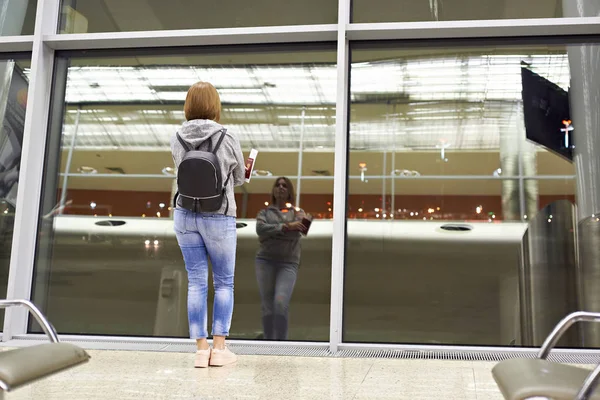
[(250, 164), (306, 221)]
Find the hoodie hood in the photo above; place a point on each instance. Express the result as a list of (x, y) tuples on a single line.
[(197, 131)]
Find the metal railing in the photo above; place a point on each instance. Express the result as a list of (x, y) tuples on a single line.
[(591, 381), (37, 314)]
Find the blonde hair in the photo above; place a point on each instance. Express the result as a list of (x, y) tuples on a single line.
[(202, 102)]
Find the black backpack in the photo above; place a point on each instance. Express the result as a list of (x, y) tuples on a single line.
[(199, 179)]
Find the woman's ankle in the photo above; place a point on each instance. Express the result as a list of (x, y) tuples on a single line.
[(219, 342), (202, 344)]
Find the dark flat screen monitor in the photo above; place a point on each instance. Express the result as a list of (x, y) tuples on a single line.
[(546, 106)]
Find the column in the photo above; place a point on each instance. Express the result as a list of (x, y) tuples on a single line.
[(517, 158), (584, 98)]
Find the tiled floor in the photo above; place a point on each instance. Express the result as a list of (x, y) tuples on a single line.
[(145, 375)]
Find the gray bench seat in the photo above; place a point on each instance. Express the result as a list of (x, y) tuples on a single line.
[(22, 366), (525, 378), (520, 379), (25, 365)]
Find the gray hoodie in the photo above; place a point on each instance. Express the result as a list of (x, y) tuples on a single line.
[(275, 243), (199, 132)]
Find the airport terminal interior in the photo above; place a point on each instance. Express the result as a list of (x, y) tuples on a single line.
[(447, 151)]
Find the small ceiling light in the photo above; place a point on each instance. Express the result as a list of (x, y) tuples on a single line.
[(363, 168), (168, 171)]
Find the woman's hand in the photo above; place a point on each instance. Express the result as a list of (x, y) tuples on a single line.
[(295, 226)]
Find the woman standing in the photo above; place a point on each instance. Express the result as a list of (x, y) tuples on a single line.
[(211, 235), (279, 228)]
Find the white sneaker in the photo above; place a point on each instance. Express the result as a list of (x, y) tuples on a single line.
[(220, 358), (202, 357)]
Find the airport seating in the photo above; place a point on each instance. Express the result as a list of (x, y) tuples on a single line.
[(22, 366), (538, 378)]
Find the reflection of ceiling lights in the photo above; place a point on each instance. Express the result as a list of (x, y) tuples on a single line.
[(262, 172), (467, 99), (87, 170), (485, 77), (168, 171)]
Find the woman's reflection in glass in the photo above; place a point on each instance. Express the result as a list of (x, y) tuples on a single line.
[(279, 228)]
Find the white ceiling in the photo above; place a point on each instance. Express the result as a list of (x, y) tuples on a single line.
[(415, 103)]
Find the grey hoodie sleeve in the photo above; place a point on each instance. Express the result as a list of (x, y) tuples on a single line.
[(239, 169), (264, 229)]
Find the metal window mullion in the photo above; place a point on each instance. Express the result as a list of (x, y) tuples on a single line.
[(11, 44), (486, 29), (477, 29), (20, 276), (193, 37), (340, 178)]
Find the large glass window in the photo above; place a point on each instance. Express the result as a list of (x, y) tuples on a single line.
[(13, 103), (108, 262), (449, 161), (81, 16), (458, 10)]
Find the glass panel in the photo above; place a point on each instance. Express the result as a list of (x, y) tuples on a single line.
[(452, 153), (443, 112), (108, 241), (440, 286), (13, 92), (456, 10), (81, 16), (17, 17)]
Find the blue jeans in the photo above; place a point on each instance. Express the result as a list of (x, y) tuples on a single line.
[(200, 237), (276, 281)]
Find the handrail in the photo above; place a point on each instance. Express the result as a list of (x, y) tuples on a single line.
[(37, 314), (590, 383), (562, 327)]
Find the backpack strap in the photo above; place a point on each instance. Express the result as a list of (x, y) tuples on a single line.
[(223, 132), (225, 194), (175, 199), (186, 146)]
